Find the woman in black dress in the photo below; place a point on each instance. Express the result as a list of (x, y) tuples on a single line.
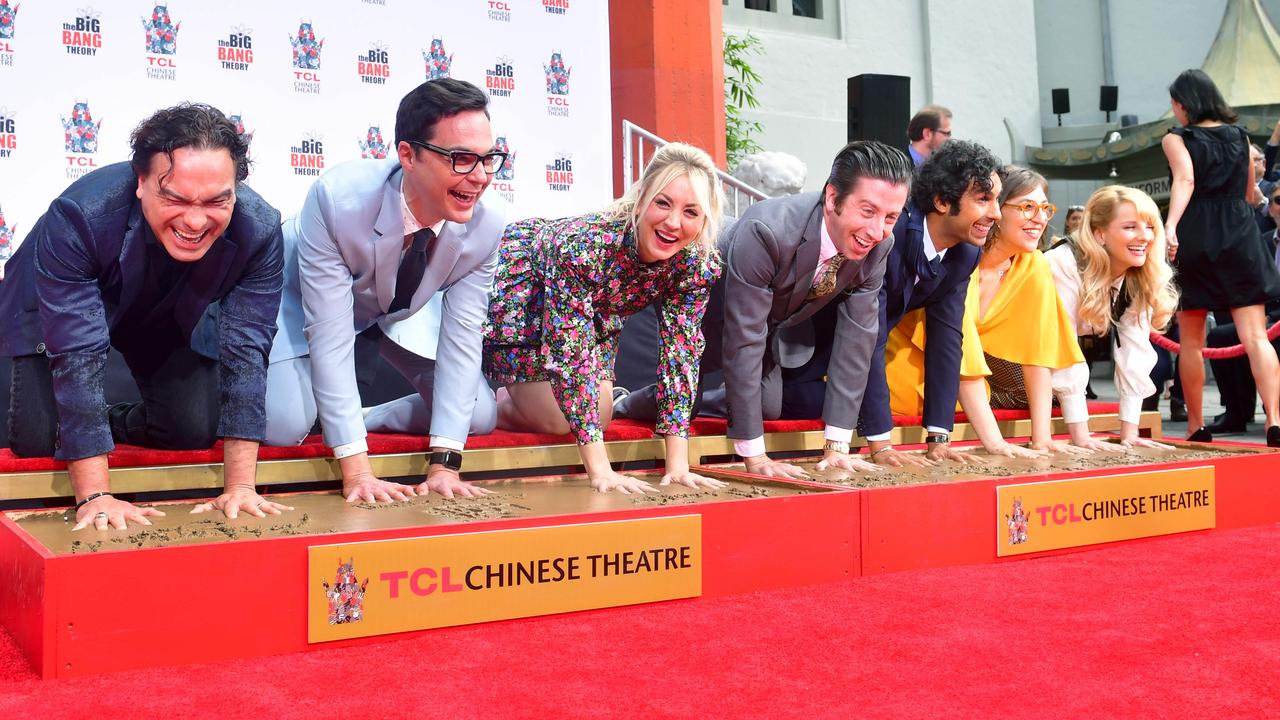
[(1222, 263)]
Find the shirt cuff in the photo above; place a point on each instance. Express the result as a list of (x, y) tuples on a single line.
[(880, 437), (936, 429), (749, 448), (446, 443), (1130, 409), (351, 448), (1075, 408), (837, 434)]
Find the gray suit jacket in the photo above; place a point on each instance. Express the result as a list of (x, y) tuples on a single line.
[(771, 255), (342, 253)]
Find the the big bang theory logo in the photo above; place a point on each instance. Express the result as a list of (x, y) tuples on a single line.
[(82, 35), (374, 65), (560, 173), (500, 80), (307, 157), (235, 51), (8, 133)]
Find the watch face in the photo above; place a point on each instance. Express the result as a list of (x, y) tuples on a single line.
[(450, 459)]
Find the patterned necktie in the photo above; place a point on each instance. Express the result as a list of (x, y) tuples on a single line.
[(827, 283), (412, 267)]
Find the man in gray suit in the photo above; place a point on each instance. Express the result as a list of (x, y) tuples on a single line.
[(402, 253), (786, 260)]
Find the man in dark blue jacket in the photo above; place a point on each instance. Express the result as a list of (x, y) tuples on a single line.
[(177, 264), (935, 249)]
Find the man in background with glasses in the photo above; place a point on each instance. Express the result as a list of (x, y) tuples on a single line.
[(928, 130), (398, 254)]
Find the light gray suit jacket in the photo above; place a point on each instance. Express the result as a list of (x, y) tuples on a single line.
[(771, 255), (342, 253)]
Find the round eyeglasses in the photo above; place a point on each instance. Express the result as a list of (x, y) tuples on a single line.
[(1029, 208)]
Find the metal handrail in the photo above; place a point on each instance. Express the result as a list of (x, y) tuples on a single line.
[(738, 194)]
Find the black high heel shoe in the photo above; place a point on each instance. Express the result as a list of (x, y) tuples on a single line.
[(1203, 435), (1273, 436)]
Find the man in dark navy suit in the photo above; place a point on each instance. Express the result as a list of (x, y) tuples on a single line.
[(177, 264), (936, 244)]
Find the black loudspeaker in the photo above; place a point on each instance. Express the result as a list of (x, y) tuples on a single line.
[(1107, 98), (880, 108), (1061, 101)]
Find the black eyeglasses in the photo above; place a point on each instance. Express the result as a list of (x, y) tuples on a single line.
[(465, 162)]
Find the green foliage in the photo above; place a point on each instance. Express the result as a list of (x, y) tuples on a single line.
[(739, 92)]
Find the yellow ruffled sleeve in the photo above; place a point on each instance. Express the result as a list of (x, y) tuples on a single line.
[(1026, 323)]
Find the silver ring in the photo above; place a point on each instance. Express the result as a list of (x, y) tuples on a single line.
[(101, 514)]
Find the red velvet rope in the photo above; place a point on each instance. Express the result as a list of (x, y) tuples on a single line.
[(1221, 353)]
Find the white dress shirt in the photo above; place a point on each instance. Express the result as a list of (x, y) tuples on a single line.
[(755, 446), (411, 226), (930, 252), (1133, 357)]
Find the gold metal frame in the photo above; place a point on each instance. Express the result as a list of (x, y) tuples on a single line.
[(56, 484)]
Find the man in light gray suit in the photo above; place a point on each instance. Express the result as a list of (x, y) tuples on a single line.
[(401, 252), (787, 260)]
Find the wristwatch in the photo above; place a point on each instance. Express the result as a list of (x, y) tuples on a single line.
[(836, 446), (451, 459), (937, 438)]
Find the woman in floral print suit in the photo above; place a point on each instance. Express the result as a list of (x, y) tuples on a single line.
[(565, 287)]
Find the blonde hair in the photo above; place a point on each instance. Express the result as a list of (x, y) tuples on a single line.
[(1149, 287), (669, 162), (1015, 181)]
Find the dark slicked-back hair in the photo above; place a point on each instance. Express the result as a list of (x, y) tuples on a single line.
[(928, 118), (1199, 96), (867, 159), (433, 101), (949, 172), (189, 125)]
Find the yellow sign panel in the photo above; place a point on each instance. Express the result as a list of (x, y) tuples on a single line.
[(1069, 513), (387, 586)]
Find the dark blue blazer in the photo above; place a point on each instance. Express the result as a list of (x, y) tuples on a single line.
[(943, 296), (79, 271)]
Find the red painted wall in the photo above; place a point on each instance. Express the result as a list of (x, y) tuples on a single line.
[(668, 73)]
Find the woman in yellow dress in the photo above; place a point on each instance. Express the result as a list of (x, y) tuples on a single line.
[(1016, 332)]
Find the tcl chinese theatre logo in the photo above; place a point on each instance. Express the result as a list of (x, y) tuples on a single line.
[(161, 44)]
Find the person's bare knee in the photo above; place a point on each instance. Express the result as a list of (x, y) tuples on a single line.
[(533, 407)]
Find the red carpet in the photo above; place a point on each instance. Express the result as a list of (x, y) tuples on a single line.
[(1180, 627)]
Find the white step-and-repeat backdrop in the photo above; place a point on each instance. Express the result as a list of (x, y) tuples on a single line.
[(314, 82)]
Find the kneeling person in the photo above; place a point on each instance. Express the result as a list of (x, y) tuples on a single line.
[(786, 260), (564, 289), (133, 256), (373, 244)]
